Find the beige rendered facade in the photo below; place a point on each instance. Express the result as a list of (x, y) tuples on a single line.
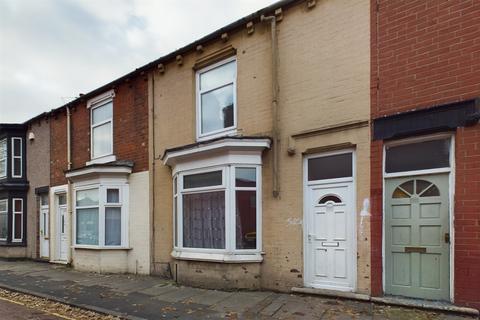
[(323, 103)]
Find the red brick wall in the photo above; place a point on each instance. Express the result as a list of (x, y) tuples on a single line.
[(467, 216), (429, 53), (130, 131), (426, 53)]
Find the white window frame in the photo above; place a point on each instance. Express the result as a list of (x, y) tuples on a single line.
[(14, 212), (17, 157), (6, 212), (5, 159), (93, 104), (102, 204), (221, 132), (230, 253)]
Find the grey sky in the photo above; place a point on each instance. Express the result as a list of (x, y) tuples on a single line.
[(52, 50)]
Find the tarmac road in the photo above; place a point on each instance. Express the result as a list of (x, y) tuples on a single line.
[(14, 311)]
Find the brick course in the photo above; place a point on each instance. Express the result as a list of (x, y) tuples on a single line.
[(427, 53)]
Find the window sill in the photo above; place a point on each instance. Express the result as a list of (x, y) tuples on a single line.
[(100, 248), (12, 244), (218, 257), (226, 133), (100, 160)]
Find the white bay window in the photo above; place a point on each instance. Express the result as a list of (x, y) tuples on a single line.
[(100, 216), (217, 200)]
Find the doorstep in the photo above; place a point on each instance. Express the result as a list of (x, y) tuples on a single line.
[(391, 300), (425, 304), (333, 293)]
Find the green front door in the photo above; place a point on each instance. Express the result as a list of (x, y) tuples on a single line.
[(417, 240)]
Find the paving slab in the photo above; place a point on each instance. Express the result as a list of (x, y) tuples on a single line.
[(211, 297), (180, 294), (145, 297), (240, 301)]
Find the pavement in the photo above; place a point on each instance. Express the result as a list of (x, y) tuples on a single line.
[(148, 297)]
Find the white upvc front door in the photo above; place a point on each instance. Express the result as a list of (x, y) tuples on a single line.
[(330, 239), (44, 234), (62, 232)]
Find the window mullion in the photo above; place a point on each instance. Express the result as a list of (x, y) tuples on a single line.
[(180, 211), (101, 216), (229, 216)]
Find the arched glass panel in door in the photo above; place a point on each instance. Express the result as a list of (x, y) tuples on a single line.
[(419, 187), (330, 198)]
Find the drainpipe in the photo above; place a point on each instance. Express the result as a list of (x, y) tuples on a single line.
[(69, 166), (275, 113), (152, 173)]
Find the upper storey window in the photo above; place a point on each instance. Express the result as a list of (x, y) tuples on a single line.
[(216, 99), (3, 158), (101, 126), (16, 157)]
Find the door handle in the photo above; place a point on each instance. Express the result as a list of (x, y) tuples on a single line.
[(447, 237)]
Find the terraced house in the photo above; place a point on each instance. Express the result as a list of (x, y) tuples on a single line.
[(324, 147), (260, 139)]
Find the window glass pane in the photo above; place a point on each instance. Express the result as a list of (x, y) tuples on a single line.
[(17, 166), (102, 140), (204, 220), (62, 199), (3, 219), (199, 180), (87, 198), (245, 177), (18, 226), (217, 77), (87, 226), (246, 219), (17, 146), (102, 113), (175, 220), (3, 167), (217, 109), (17, 205), (431, 192), (113, 226), (330, 167), (3, 225), (3, 157), (113, 196), (330, 198), (418, 156), (44, 199)]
